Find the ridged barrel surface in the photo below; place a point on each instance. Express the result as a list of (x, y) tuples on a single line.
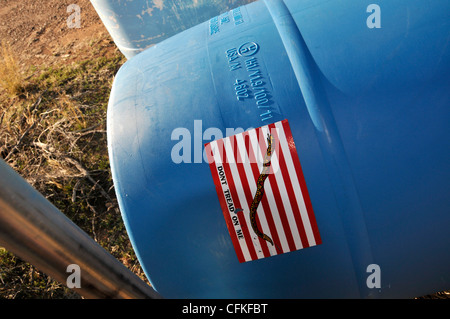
[(369, 113)]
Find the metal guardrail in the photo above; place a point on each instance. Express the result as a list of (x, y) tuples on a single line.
[(37, 232)]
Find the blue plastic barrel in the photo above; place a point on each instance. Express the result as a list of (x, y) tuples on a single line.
[(366, 92), (137, 24)]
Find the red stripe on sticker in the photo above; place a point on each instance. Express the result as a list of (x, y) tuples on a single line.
[(262, 192), (216, 173), (227, 160), (301, 179)]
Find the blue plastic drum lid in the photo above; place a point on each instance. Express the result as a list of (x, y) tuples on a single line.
[(368, 111)]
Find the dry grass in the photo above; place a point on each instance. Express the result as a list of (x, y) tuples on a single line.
[(53, 133), (10, 75), (19, 280)]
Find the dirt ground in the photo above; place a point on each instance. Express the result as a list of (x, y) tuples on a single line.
[(38, 32)]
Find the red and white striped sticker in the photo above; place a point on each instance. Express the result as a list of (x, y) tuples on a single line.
[(262, 192)]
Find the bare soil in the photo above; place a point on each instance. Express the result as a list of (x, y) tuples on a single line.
[(38, 32)]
